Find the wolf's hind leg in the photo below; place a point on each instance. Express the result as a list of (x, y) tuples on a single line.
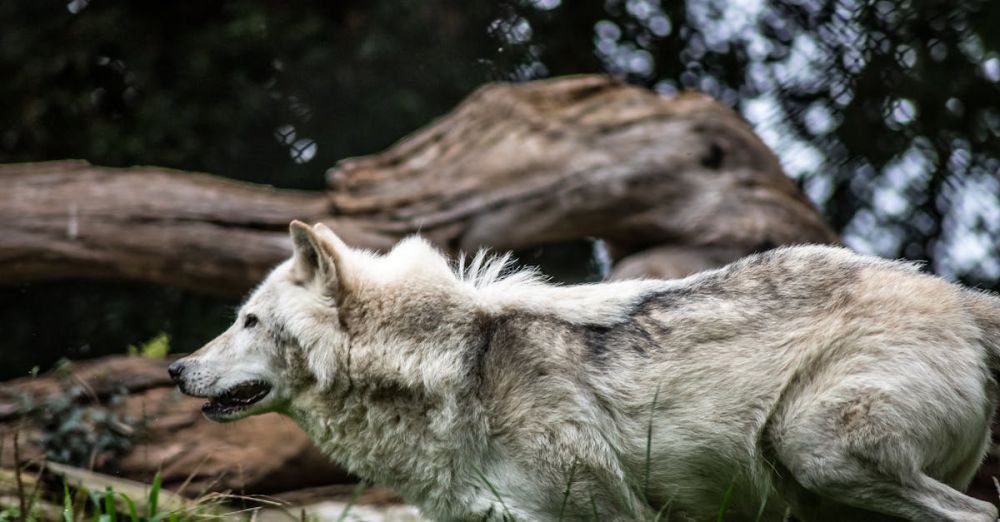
[(922, 500), (871, 459), (833, 475), (809, 506)]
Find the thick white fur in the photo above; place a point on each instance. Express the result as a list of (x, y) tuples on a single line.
[(811, 379)]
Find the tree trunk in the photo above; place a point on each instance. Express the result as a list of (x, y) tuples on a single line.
[(670, 184)]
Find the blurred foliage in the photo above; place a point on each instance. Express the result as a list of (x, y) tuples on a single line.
[(253, 90), (76, 430), (44, 322), (155, 348), (884, 111)]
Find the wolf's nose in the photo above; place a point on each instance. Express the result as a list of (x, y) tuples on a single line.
[(175, 370)]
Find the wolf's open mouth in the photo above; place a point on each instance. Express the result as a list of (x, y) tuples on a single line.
[(239, 397)]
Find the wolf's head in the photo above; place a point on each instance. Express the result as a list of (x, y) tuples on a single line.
[(393, 315)]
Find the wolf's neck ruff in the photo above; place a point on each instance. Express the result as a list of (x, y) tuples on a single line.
[(417, 443), (425, 409)]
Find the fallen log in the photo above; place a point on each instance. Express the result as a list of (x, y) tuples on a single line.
[(514, 166), (71, 219)]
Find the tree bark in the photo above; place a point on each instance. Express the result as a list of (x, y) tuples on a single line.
[(516, 165), (670, 184), (70, 219)]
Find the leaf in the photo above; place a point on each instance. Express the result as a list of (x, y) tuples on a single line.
[(67, 504), (95, 500), (154, 496), (155, 348), (132, 511), (110, 510)]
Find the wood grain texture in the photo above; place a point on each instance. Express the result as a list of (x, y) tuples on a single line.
[(71, 219), (513, 166), (518, 165)]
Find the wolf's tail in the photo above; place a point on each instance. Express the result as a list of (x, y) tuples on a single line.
[(986, 311)]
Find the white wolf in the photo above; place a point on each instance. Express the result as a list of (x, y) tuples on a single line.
[(807, 379)]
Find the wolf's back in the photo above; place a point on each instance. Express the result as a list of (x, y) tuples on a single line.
[(985, 308)]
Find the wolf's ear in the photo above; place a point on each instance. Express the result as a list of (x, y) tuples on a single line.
[(318, 255)]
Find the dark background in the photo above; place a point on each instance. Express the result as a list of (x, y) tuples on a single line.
[(885, 112)]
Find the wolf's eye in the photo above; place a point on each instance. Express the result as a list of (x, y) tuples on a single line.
[(250, 321)]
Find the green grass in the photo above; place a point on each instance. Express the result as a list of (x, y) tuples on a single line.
[(355, 495), (649, 443), (569, 486), (495, 494), (664, 512), (82, 505), (155, 348), (109, 506), (726, 498), (663, 515)]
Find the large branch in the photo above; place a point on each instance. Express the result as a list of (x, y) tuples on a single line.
[(69, 219), (671, 184), (516, 165)]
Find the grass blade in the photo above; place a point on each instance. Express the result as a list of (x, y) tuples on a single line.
[(358, 490), (664, 512), (725, 502), (154, 497), (593, 507), (562, 509), (760, 511), (649, 443), (495, 493), (67, 504), (110, 509), (21, 500), (95, 501), (132, 511)]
